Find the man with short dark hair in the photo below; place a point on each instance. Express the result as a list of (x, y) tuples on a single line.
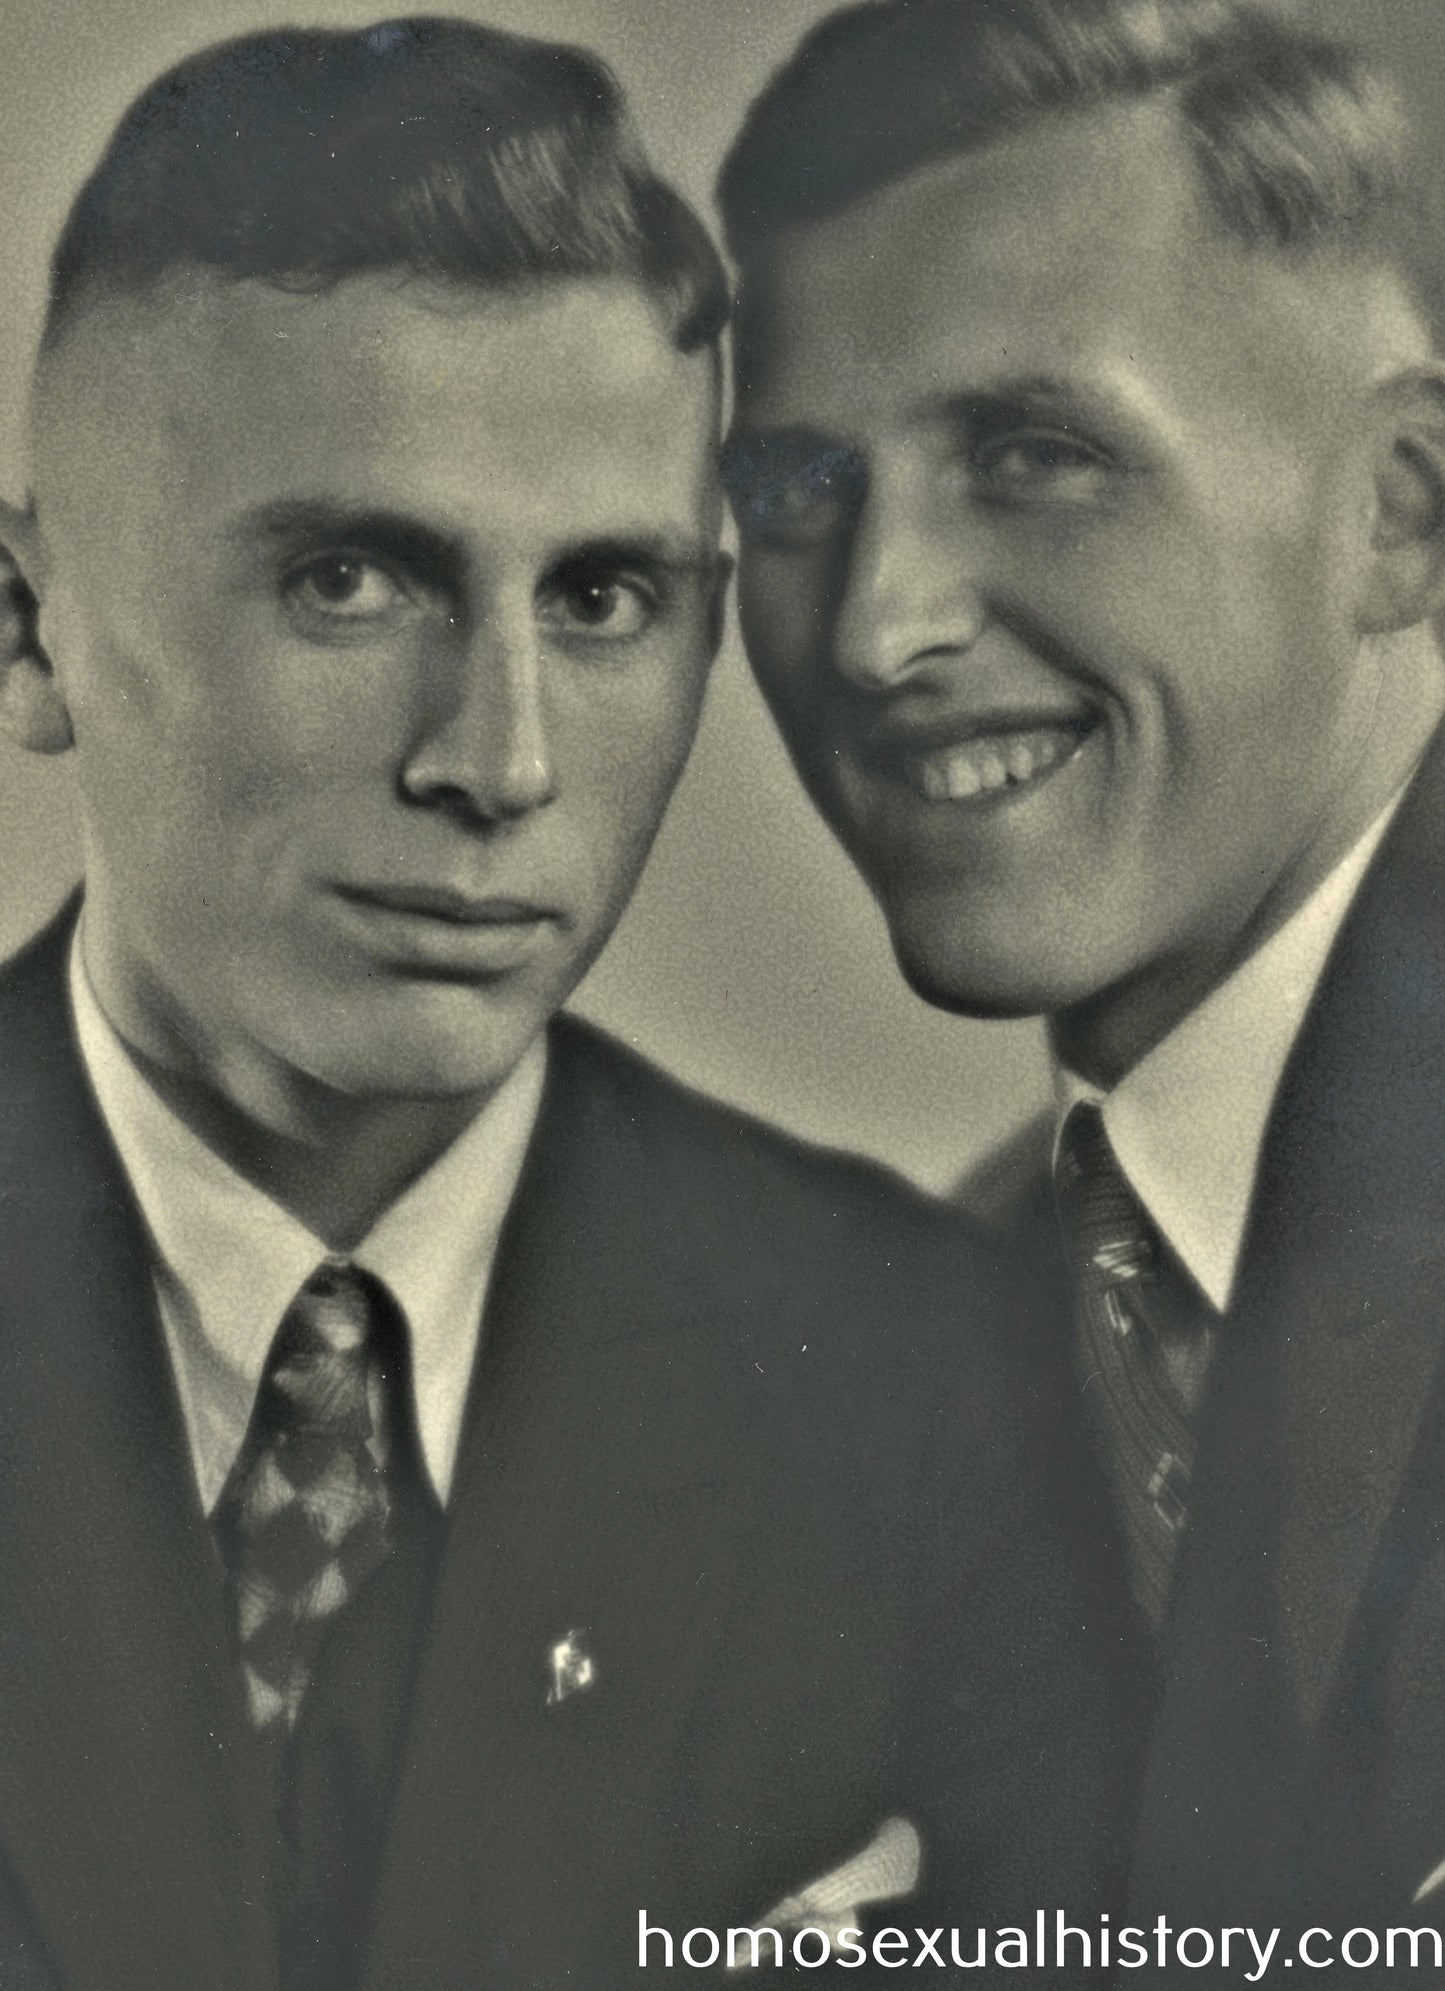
[(459, 1493), (1090, 466)]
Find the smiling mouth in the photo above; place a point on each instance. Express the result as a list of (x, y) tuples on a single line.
[(994, 761)]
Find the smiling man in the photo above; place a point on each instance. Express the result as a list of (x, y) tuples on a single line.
[(1090, 466), (458, 1492)]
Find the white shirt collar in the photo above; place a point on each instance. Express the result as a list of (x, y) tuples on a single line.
[(228, 1261), (1188, 1122)]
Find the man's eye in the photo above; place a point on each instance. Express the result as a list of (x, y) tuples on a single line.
[(597, 602), (781, 499), (1046, 464), (343, 587)]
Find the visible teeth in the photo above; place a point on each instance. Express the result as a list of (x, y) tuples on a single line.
[(984, 766), (950, 778)]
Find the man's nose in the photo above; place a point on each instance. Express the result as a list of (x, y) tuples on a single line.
[(483, 746), (911, 593)]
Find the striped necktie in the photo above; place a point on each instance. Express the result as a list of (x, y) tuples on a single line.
[(1142, 1347), (306, 1514)]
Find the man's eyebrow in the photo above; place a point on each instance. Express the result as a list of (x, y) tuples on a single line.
[(675, 553), (441, 557), (428, 552), (1046, 396), (1008, 391)]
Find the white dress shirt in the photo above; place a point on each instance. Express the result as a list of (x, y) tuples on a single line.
[(1187, 1123), (228, 1261)]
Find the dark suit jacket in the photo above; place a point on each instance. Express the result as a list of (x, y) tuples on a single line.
[(745, 1413), (1294, 1758)]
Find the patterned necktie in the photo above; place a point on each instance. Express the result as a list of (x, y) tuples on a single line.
[(1143, 1345), (306, 1513)]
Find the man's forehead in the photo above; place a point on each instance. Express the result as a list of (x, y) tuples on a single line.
[(212, 331), (1071, 184), (378, 374), (1021, 216), (1071, 249)]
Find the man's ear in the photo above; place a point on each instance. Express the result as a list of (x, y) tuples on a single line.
[(32, 711), (1404, 579)]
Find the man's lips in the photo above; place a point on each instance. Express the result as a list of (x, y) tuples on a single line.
[(977, 759), (447, 903), (442, 933)]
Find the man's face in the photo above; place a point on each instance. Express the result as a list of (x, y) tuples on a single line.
[(383, 619), (1052, 508)]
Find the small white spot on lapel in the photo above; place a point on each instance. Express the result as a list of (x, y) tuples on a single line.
[(570, 1667)]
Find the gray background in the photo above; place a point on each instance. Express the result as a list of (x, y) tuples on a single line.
[(751, 962)]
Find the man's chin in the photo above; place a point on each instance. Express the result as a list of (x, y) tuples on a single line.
[(424, 1072), (456, 1047), (970, 980)]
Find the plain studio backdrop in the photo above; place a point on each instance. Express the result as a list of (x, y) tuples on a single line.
[(751, 962)]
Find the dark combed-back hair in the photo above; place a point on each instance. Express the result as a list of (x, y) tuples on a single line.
[(301, 157), (1297, 140)]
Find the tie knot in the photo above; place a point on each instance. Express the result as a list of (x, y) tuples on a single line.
[(339, 1306), (1107, 1232), (334, 1355)]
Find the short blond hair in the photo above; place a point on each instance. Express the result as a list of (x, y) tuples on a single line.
[(1299, 140)]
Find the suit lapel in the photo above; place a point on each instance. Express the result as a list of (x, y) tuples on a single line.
[(120, 1811), (1318, 1403), (1346, 1268), (598, 1492)]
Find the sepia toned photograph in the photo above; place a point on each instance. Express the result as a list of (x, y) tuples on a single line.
[(722, 993)]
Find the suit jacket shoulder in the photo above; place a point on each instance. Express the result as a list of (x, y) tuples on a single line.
[(784, 1221)]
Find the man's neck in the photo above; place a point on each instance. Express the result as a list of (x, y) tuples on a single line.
[(336, 1161), (1104, 1037), (337, 1165)]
